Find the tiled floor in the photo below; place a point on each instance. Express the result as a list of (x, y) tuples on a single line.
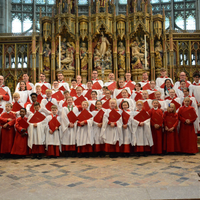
[(152, 177)]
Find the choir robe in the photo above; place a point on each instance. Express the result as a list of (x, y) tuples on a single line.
[(31, 90), (85, 137), (28, 111), (109, 83), (36, 136), (98, 142), (195, 91), (7, 134), (149, 101), (64, 84), (127, 133), (53, 142), (56, 90), (194, 105), (135, 94), (133, 82), (169, 100), (187, 136), (91, 102), (177, 84), (98, 93), (141, 135), (44, 103), (151, 91), (68, 137), (117, 91), (143, 83), (156, 133), (97, 80), (163, 105), (20, 146), (112, 136), (24, 96), (164, 93), (130, 101), (171, 139), (160, 80), (179, 92), (48, 85), (6, 98), (17, 114), (81, 85)]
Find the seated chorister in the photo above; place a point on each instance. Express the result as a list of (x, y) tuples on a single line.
[(53, 134), (69, 127), (7, 120)]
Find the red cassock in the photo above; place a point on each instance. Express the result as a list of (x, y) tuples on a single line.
[(20, 146), (171, 139), (7, 134), (156, 133), (187, 136)]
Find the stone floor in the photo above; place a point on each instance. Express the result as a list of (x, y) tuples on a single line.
[(153, 177)]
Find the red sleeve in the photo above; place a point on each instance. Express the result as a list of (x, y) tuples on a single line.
[(17, 126), (3, 120), (6, 97), (85, 121), (193, 120), (180, 116), (115, 123)]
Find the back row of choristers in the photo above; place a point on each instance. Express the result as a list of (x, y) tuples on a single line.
[(114, 135)]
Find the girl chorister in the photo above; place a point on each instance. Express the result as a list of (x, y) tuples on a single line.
[(170, 138), (23, 92), (137, 94)]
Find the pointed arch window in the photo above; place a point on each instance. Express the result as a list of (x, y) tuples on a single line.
[(190, 23), (16, 25), (180, 22)]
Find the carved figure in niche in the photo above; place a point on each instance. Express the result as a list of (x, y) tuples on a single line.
[(108, 59), (103, 43), (84, 56), (158, 54), (136, 56), (102, 3), (143, 51), (97, 59), (121, 56), (65, 6), (46, 54)]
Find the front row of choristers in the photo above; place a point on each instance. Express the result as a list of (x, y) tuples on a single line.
[(45, 130)]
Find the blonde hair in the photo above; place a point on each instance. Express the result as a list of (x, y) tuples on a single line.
[(16, 94), (9, 104), (116, 107), (139, 102), (54, 107), (79, 87), (154, 101), (157, 92), (145, 91), (172, 90), (70, 97), (187, 98), (85, 102), (172, 104), (38, 86), (48, 90)]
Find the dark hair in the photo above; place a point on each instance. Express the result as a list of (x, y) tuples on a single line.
[(196, 74), (182, 81), (187, 89), (33, 94), (97, 102), (43, 74), (124, 103), (105, 87), (73, 79), (24, 83), (94, 92), (109, 91), (165, 88), (23, 109), (36, 104), (138, 85)]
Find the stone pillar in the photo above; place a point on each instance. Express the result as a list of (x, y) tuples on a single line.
[(34, 58), (53, 53), (89, 57)]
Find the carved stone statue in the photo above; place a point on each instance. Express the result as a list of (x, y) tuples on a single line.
[(121, 56), (104, 43), (136, 56), (158, 54), (47, 53), (97, 59), (108, 59), (84, 56)]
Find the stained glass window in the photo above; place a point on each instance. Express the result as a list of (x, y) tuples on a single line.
[(27, 24), (154, 1), (16, 25), (82, 2), (190, 23), (123, 1), (166, 22), (180, 22), (165, 1)]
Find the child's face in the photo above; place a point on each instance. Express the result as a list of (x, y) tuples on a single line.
[(38, 90), (112, 104), (172, 94), (37, 108), (124, 94), (186, 93), (66, 95), (108, 94), (73, 83), (168, 83), (104, 90), (93, 95), (33, 98), (98, 105), (163, 73), (78, 91), (157, 95), (55, 85), (48, 94), (139, 106), (54, 111), (152, 85), (16, 98), (186, 102), (22, 86), (69, 101), (89, 85), (8, 108), (196, 79), (84, 105), (155, 104), (183, 84), (145, 95), (22, 113), (125, 106), (171, 108), (121, 83), (137, 87)]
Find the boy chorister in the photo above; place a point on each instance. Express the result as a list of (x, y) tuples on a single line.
[(36, 132), (156, 115), (30, 107), (16, 98), (53, 144), (7, 120), (20, 146), (69, 127)]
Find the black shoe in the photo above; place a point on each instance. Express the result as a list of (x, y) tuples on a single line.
[(39, 157), (34, 156)]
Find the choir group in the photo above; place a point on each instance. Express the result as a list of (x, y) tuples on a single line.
[(116, 118)]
